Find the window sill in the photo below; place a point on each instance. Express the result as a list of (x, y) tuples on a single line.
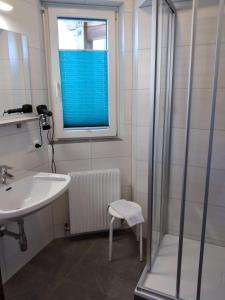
[(88, 140)]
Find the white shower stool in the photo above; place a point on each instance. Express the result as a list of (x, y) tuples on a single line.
[(114, 214)]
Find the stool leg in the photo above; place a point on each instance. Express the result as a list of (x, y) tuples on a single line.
[(111, 237), (141, 243), (137, 233)]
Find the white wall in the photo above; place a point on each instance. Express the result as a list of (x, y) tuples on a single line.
[(141, 109), (14, 143)]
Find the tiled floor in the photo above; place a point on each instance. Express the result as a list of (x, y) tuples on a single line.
[(163, 275), (79, 270)]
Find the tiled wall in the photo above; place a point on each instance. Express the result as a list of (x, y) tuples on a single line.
[(200, 120), (15, 143), (140, 112), (92, 154)]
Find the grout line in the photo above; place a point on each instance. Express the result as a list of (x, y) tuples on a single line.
[(198, 129), (211, 204)]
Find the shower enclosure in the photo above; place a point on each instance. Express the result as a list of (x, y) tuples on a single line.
[(186, 186)]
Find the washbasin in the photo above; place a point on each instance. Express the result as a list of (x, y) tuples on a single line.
[(31, 193)]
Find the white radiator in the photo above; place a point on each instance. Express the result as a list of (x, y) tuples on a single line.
[(90, 192)]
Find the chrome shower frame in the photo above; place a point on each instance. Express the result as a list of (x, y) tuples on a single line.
[(141, 291)]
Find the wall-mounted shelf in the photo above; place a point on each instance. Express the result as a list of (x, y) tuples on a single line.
[(18, 119)]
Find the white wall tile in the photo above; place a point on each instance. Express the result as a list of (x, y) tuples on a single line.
[(126, 31), (181, 64), (221, 80), (124, 164), (193, 215), (124, 131), (193, 221), (203, 66), (59, 231), (144, 27), (177, 146), (142, 176), (196, 185), (126, 193), (38, 69), (64, 167), (126, 70), (205, 27), (141, 107), (220, 110), (179, 108), (142, 200), (72, 151), (218, 158), (183, 27), (201, 108), (128, 5), (125, 109), (111, 149), (197, 150), (39, 97), (144, 58), (217, 187), (5, 73), (60, 209), (176, 181), (142, 143)]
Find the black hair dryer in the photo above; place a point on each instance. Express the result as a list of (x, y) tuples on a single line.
[(26, 109), (44, 113)]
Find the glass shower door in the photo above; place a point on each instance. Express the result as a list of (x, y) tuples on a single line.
[(162, 108)]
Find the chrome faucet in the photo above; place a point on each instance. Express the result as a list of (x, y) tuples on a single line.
[(4, 174)]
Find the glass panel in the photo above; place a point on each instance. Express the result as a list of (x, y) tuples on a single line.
[(83, 61), (213, 278), (160, 114), (164, 45), (82, 34), (203, 70)]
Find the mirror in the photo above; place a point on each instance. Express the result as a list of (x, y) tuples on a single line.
[(15, 85)]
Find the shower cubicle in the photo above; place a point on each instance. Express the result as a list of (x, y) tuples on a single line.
[(186, 167)]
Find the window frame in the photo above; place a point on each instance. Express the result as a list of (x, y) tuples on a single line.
[(56, 98)]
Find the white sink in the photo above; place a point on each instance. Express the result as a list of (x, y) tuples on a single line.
[(29, 194)]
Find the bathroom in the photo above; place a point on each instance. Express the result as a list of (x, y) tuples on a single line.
[(141, 120)]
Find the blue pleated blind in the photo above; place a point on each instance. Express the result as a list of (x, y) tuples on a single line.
[(84, 80)]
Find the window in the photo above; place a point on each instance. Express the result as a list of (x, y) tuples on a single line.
[(83, 70)]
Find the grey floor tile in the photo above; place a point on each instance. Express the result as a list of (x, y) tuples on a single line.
[(79, 269)]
